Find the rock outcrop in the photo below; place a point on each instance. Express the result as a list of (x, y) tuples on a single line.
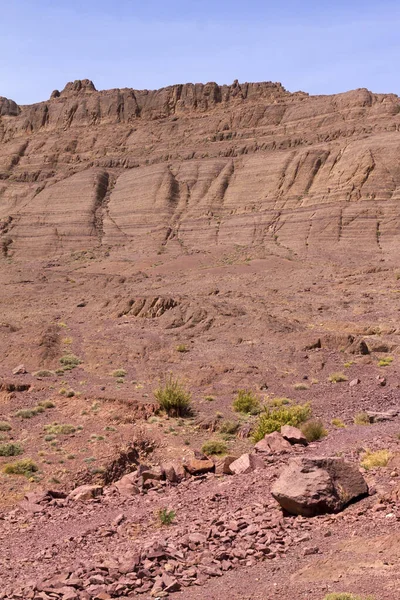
[(190, 165)]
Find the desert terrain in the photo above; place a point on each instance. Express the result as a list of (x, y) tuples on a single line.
[(231, 238)]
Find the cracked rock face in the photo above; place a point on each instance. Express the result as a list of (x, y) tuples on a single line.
[(204, 166)]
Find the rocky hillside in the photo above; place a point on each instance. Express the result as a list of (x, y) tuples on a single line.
[(201, 167)]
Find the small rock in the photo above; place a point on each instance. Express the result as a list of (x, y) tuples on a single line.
[(222, 465), (20, 370), (246, 464), (310, 551), (354, 382)]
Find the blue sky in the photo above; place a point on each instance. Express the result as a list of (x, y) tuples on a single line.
[(317, 46)]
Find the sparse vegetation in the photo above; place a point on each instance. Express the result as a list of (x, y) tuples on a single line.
[(214, 447), (4, 426), (173, 398), (182, 348), (47, 404), (209, 398), (337, 378), (28, 413), (24, 467), (272, 418), (10, 449), (70, 361), (348, 364), (279, 402), (246, 402), (371, 460), (44, 373), (346, 596), (165, 516), (301, 386), (229, 427), (119, 373), (57, 429), (385, 362), (338, 423), (314, 430), (362, 419)]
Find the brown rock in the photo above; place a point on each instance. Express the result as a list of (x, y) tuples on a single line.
[(222, 465), (312, 486), (127, 485), (20, 370), (86, 492), (354, 382), (277, 443), (246, 463), (293, 435), (199, 467)]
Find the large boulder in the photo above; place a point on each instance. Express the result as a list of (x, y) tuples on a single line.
[(315, 486)]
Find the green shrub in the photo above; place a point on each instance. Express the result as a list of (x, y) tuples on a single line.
[(362, 419), (214, 447), (166, 516), (4, 426), (338, 423), (24, 467), (173, 398), (57, 429), (385, 362), (314, 430), (10, 449), (272, 419), (337, 378), (70, 361), (371, 460), (246, 402), (119, 373)]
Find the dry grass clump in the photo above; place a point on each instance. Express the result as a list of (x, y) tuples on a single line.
[(337, 378), (246, 402), (229, 427), (4, 426), (301, 386), (28, 413), (214, 447), (182, 348), (346, 596), (24, 467), (272, 418), (371, 460), (58, 429), (44, 373), (70, 361), (338, 423), (118, 373), (362, 419), (173, 398), (314, 430)]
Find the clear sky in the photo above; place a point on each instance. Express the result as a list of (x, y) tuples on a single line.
[(318, 46)]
